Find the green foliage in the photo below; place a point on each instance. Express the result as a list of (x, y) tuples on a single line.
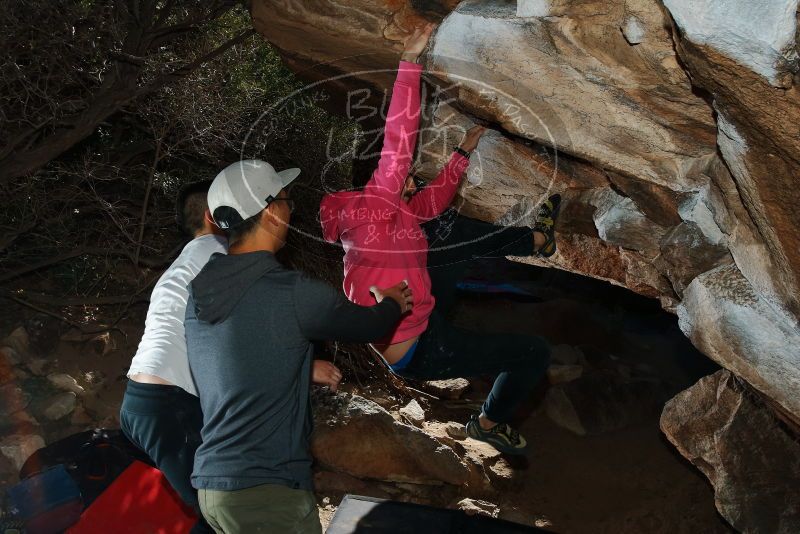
[(243, 104)]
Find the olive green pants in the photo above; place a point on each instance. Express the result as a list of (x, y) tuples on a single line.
[(266, 508)]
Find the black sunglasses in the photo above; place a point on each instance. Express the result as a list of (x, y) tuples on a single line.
[(289, 201)]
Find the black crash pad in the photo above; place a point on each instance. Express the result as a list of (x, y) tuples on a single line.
[(367, 515)]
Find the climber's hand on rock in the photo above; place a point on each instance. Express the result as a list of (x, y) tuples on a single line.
[(471, 138), (415, 43)]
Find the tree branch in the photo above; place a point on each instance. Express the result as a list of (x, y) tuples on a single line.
[(92, 251), (146, 201), (117, 90), (45, 311), (51, 300), (184, 70)]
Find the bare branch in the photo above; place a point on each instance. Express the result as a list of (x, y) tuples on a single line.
[(182, 71), (62, 302), (91, 251), (55, 127), (146, 201)]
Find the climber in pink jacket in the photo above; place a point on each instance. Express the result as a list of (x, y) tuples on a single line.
[(381, 233)]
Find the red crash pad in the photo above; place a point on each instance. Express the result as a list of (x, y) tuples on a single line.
[(139, 501)]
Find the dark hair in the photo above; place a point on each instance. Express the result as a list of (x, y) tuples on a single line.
[(243, 229), (191, 206), (362, 169)]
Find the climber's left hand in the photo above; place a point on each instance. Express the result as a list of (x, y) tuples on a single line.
[(471, 138), (416, 42)]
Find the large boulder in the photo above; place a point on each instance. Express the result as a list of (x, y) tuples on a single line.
[(638, 234), (450, 388), (356, 436), (669, 128), (727, 319), (569, 79), (744, 54), (750, 457)]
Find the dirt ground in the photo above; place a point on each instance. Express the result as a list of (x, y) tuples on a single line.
[(630, 481)]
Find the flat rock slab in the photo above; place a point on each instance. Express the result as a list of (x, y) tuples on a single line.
[(60, 406), (18, 447), (479, 507), (356, 436), (730, 322), (451, 389)]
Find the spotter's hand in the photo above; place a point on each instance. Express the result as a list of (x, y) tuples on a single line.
[(326, 374), (400, 293)]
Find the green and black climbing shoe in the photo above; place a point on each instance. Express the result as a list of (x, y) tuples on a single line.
[(501, 436), (546, 224)]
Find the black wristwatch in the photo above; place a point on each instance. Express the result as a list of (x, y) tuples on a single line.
[(463, 152)]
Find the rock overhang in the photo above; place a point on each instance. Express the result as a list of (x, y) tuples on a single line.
[(620, 129)]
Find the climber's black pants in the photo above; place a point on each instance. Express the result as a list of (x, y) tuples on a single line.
[(165, 422), (446, 351), (455, 242)]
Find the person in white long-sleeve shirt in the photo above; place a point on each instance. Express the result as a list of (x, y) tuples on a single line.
[(160, 411)]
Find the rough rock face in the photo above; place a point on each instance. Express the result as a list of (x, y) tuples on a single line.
[(632, 233), (725, 317), (584, 88), (358, 437), (321, 39), (746, 57), (671, 165), (751, 459), (670, 127)]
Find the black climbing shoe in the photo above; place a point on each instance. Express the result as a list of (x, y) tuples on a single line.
[(502, 437), (546, 224)]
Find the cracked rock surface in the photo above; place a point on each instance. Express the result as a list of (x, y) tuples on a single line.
[(669, 127)]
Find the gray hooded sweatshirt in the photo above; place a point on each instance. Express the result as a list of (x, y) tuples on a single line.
[(250, 323)]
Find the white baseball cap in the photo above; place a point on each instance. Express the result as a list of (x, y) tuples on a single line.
[(245, 188)]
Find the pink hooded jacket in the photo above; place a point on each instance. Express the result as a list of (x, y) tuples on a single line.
[(381, 234)]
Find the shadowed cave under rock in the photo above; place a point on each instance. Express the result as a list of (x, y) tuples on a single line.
[(598, 460)]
